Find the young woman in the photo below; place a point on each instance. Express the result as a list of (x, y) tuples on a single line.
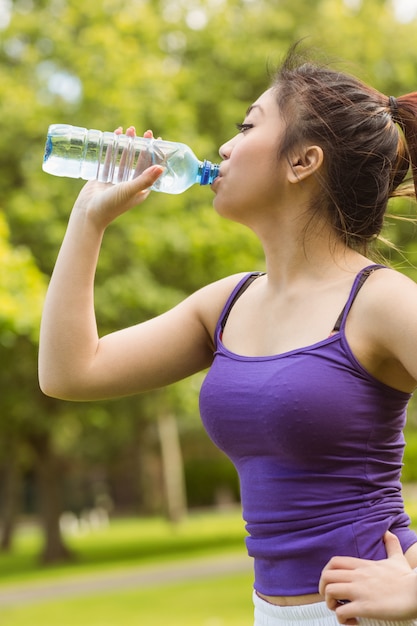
[(312, 363)]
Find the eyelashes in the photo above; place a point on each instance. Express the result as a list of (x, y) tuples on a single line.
[(243, 127)]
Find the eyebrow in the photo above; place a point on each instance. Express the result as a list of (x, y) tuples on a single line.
[(254, 106)]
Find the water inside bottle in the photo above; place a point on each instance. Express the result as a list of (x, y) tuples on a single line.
[(108, 157)]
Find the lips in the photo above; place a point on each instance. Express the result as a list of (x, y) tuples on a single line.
[(216, 181)]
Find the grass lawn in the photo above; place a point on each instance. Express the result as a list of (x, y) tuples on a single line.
[(225, 601), (125, 543)]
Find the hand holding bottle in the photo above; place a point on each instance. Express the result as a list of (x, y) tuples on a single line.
[(104, 202), (143, 162)]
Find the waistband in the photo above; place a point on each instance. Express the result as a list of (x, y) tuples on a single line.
[(316, 614), (267, 614)]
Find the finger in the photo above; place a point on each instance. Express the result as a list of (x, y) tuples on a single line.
[(392, 545), (332, 603), (333, 578), (124, 163), (105, 175), (120, 198), (344, 563), (143, 182), (144, 158), (346, 614), (337, 594), (338, 569)]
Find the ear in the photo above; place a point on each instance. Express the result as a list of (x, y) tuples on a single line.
[(305, 162)]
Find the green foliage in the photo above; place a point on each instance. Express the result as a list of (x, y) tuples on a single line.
[(209, 481), (409, 473), (22, 290)]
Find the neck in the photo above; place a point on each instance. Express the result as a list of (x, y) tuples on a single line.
[(307, 255)]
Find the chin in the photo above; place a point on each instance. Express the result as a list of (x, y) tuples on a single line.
[(227, 213)]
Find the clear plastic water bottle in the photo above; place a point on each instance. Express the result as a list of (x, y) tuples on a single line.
[(111, 158)]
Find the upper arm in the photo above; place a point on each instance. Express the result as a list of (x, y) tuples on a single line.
[(387, 317), (154, 353)]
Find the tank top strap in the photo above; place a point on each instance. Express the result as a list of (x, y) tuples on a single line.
[(239, 289), (359, 281)]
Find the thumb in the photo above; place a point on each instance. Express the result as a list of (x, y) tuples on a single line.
[(392, 545), (145, 180), (134, 191)]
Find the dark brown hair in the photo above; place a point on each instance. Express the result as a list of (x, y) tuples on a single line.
[(369, 142)]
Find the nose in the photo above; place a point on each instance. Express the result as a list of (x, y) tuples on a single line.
[(226, 149)]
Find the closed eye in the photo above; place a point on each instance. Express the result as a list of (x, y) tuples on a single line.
[(243, 127)]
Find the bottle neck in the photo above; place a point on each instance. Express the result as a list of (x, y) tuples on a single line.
[(207, 172)]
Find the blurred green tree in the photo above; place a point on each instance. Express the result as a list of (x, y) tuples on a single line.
[(187, 69)]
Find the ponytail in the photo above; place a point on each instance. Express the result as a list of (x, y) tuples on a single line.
[(403, 111)]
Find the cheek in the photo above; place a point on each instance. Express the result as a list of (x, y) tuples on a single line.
[(252, 180)]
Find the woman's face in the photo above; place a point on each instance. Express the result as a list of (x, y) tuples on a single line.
[(251, 176)]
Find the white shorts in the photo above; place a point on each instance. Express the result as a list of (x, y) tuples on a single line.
[(317, 614)]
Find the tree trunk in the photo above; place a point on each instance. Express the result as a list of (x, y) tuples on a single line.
[(173, 467), (49, 472), (11, 492), (149, 472)]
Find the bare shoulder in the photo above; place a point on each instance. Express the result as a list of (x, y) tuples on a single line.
[(390, 288), (208, 302), (384, 317), (388, 301)]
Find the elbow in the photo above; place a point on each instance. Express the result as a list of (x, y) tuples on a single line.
[(58, 387), (70, 388), (45, 383), (53, 390), (50, 380), (56, 380)]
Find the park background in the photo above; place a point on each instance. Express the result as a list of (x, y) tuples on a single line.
[(72, 474)]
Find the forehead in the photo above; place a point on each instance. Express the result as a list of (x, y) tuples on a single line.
[(266, 102)]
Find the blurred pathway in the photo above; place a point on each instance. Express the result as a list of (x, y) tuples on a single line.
[(129, 578)]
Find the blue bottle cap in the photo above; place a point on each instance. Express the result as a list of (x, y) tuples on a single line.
[(208, 172)]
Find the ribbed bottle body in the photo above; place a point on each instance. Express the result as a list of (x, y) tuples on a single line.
[(76, 152)]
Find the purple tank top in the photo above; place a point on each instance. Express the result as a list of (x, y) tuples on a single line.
[(317, 442)]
